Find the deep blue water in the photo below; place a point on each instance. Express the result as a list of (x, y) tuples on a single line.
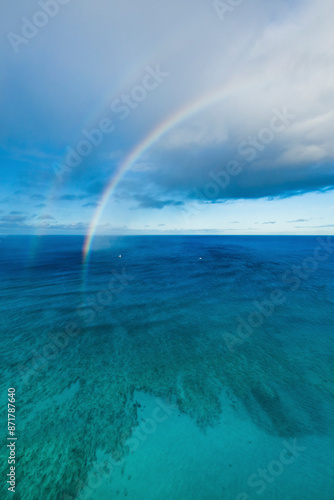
[(170, 367)]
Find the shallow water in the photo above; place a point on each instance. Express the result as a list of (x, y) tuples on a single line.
[(154, 375)]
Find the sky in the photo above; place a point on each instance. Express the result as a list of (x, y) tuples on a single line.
[(155, 117)]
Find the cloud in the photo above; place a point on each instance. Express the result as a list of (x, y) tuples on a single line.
[(37, 196), (45, 217), (21, 225), (70, 197), (203, 175), (315, 227), (149, 202), (298, 220), (15, 218), (12, 221), (266, 59), (96, 187), (91, 204)]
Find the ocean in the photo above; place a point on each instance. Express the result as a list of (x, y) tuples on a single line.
[(169, 367)]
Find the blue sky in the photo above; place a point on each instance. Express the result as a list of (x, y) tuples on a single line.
[(246, 92)]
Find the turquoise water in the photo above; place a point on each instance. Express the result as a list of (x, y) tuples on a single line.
[(170, 367)]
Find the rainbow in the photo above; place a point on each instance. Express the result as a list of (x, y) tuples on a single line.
[(173, 120)]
